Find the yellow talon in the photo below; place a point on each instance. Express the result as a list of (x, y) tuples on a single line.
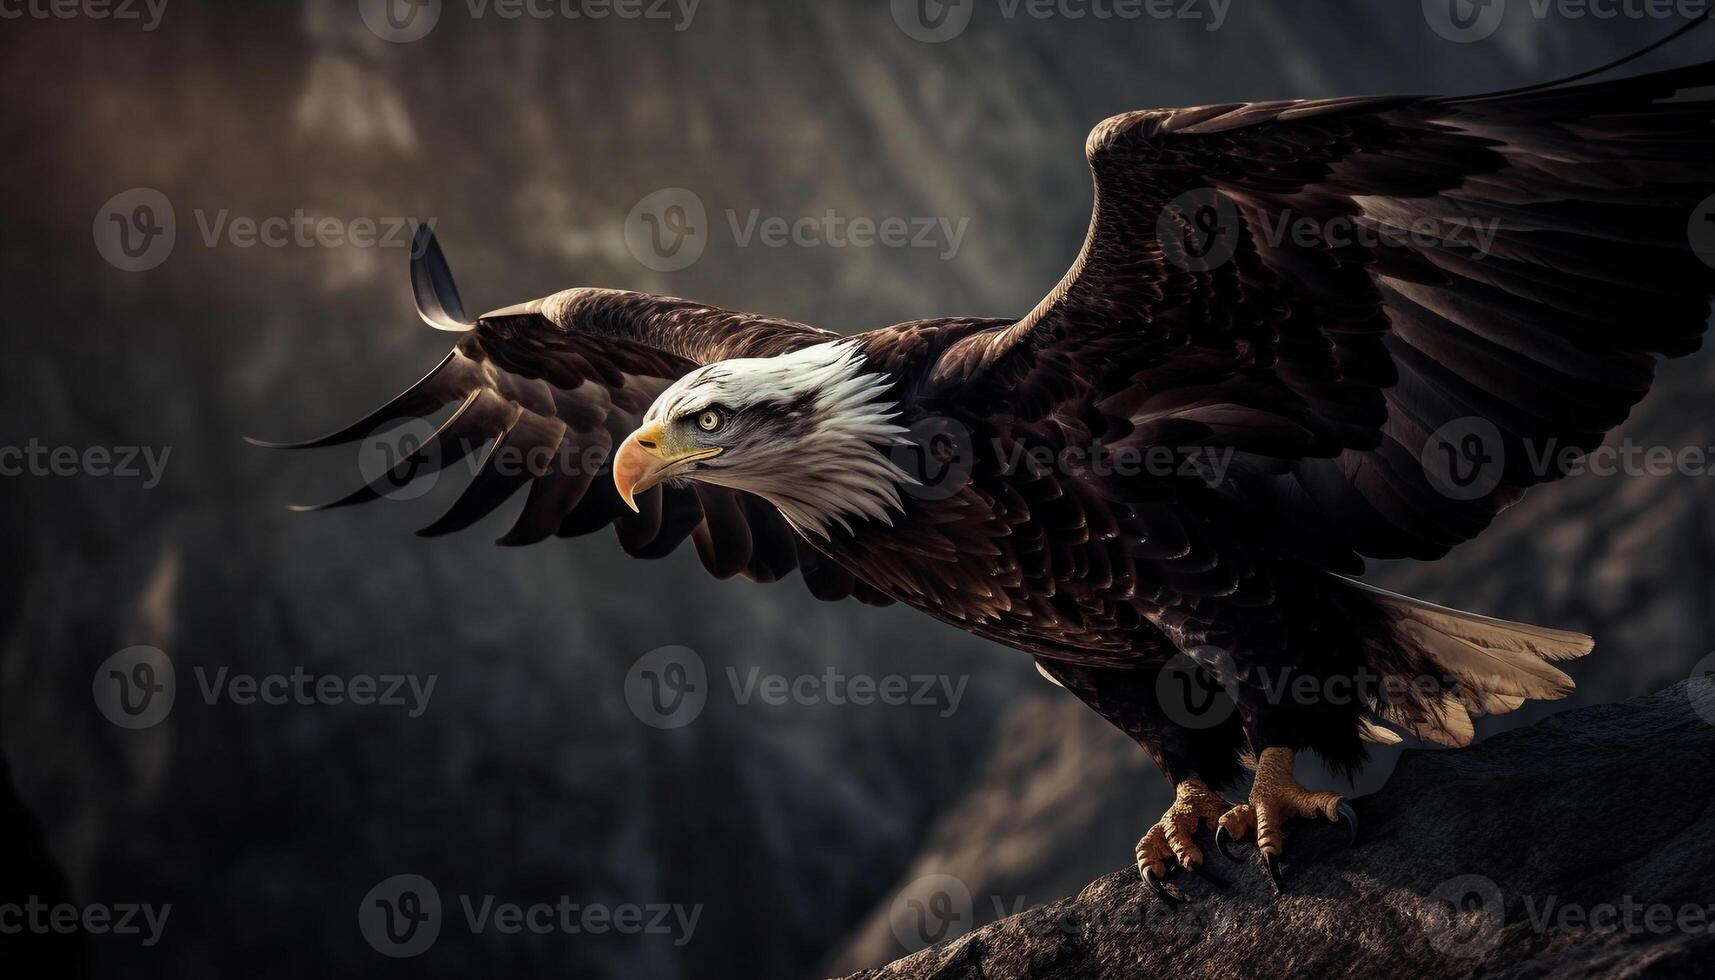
[(1276, 797), (1173, 837)]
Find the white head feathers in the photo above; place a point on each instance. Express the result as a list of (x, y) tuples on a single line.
[(809, 433)]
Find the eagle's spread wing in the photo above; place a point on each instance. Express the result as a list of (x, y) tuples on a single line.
[(1314, 284), (545, 403)]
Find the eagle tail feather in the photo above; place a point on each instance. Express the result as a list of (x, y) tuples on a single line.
[(1486, 665)]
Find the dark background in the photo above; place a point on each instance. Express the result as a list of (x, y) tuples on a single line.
[(528, 777)]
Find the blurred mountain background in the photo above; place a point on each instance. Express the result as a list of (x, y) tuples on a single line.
[(528, 141)]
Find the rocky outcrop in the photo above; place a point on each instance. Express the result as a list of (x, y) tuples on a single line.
[(1581, 846)]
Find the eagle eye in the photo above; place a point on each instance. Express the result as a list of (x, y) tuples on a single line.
[(709, 420)]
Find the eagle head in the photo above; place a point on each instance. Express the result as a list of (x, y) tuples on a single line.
[(808, 431)]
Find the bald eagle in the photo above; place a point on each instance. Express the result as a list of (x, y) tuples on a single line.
[(1346, 326)]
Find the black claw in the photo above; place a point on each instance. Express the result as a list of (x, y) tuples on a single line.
[(1345, 811), (1214, 880), (1224, 844), (1161, 890), (1271, 862)]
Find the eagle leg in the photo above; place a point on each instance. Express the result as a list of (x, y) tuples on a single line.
[(1277, 797), (1172, 840)]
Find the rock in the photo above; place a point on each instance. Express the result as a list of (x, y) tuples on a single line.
[(1061, 795), (1580, 846)]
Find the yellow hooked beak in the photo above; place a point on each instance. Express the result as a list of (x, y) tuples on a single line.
[(647, 457)]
